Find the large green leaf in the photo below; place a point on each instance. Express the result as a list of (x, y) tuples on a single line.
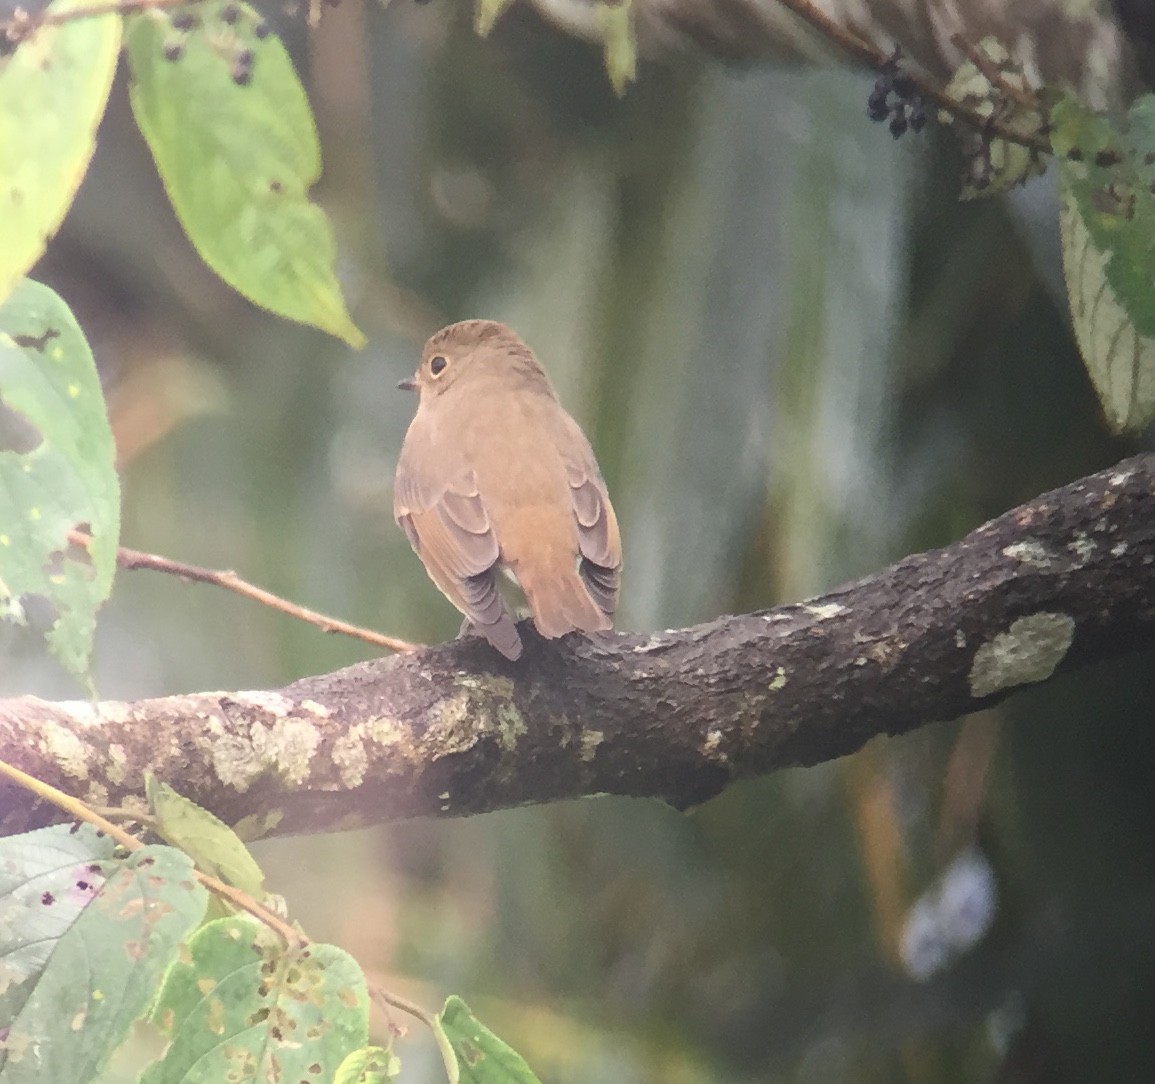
[(39, 901), (1107, 175), (53, 91), (104, 970), (482, 1058), (237, 150), (60, 474), (240, 1006)]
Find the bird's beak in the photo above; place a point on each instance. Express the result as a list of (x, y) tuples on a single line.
[(408, 384)]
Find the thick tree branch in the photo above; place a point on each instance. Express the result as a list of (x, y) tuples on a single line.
[(1063, 581)]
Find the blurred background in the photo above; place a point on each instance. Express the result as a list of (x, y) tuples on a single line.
[(799, 357)]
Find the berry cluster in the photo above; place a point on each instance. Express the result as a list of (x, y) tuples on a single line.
[(895, 96), (226, 43)]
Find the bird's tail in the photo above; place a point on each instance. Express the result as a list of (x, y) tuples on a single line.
[(561, 603)]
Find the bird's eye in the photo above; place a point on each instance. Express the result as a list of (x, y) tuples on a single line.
[(437, 365)]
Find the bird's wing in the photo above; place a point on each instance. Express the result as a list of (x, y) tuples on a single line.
[(447, 525), (599, 539)]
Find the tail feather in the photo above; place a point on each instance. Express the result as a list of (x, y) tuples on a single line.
[(501, 634), (562, 604)]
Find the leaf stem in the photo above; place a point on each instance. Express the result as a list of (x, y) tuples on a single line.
[(430, 1020)]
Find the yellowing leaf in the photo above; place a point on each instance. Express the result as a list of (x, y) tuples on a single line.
[(212, 844), (621, 49), (486, 14)]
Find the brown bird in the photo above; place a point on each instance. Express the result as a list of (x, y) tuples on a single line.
[(494, 474)]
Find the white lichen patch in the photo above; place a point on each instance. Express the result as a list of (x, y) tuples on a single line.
[(1122, 477), (236, 762), (1034, 554), (1119, 549), (384, 730), (510, 726), (115, 711), (1082, 547), (712, 746), (590, 740), (97, 794), (824, 611), (960, 638), (458, 726), (313, 708), (116, 768), (350, 757), (286, 749), (779, 681), (273, 703), (290, 745), (81, 712), (64, 747), (1027, 652)]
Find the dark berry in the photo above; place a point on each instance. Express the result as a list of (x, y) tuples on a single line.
[(230, 13), (183, 20), (918, 116), (898, 123), (261, 30), (173, 50), (904, 86), (877, 106)]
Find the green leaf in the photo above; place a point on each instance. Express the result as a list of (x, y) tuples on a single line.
[(486, 13), (53, 91), (61, 475), (104, 969), (620, 47), (1107, 185), (213, 845), (240, 1006), (237, 160), (369, 1065), (482, 1057), (39, 902)]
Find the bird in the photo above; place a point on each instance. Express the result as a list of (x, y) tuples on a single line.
[(494, 476)]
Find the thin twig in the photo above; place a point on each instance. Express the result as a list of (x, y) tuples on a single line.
[(872, 56), (23, 25), (230, 581)]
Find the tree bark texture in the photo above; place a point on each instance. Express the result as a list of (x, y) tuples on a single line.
[(1056, 584)]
